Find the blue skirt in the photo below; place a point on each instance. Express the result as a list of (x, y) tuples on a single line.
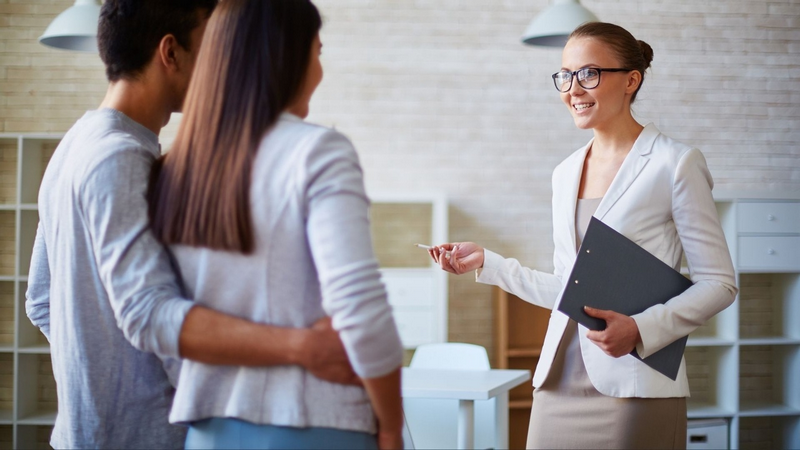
[(230, 433)]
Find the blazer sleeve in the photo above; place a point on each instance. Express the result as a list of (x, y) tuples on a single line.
[(540, 288), (710, 265)]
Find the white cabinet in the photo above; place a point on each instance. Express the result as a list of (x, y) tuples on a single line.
[(768, 217), (778, 253), (707, 434), (417, 288), (744, 365), (27, 387)]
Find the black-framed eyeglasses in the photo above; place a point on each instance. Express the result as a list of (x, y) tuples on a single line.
[(588, 77)]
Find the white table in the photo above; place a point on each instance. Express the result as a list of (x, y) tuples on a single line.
[(466, 386)]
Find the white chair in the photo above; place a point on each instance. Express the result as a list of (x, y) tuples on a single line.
[(433, 423)]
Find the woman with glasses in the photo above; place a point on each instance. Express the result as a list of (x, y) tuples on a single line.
[(590, 392), (260, 206)]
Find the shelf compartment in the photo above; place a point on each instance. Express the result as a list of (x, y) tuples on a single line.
[(523, 392), (526, 317), (8, 171), (524, 352), (34, 436), (521, 404), (770, 341), (6, 386), (518, 419), (31, 339), (769, 306), (7, 437), (8, 237), (708, 342), (29, 222), (709, 370), (396, 227), (700, 410), (768, 377), (6, 313), (769, 432), (36, 154), (707, 330), (37, 399)]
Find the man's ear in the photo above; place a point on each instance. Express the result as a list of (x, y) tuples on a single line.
[(168, 52)]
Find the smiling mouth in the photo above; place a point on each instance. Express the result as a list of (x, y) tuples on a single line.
[(582, 106)]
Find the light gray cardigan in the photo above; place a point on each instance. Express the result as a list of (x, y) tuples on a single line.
[(313, 256)]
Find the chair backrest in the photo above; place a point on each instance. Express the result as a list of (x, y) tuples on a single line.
[(450, 355), (433, 422)]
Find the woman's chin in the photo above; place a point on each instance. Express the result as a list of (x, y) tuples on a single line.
[(582, 123)]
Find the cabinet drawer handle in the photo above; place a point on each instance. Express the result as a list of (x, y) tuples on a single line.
[(770, 251), (770, 218)]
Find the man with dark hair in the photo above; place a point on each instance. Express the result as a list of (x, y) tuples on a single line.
[(101, 286), (129, 32)]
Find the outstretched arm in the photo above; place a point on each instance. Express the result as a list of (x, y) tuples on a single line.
[(539, 288)]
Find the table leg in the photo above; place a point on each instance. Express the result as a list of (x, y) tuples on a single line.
[(466, 424), (501, 421)]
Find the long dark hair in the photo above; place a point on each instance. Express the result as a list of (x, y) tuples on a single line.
[(251, 67), (632, 53)]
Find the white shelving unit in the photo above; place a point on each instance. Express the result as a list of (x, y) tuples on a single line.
[(28, 401), (744, 365), (416, 287)]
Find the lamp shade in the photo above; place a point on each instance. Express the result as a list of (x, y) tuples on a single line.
[(552, 27), (75, 28)]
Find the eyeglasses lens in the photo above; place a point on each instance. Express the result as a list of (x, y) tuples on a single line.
[(588, 78), (563, 80)]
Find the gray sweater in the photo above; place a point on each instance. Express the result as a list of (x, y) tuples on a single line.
[(313, 257), (97, 277)]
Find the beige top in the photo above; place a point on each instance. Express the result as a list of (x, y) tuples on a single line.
[(574, 372), (583, 214)]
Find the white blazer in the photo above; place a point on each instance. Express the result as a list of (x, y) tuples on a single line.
[(660, 199)]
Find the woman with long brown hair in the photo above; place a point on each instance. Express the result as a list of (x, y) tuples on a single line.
[(257, 204)]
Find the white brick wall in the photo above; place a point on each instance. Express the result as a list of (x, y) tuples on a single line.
[(440, 95)]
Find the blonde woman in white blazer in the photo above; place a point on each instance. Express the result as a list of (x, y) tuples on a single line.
[(589, 391)]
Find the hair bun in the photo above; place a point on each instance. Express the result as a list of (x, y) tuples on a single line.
[(647, 52)]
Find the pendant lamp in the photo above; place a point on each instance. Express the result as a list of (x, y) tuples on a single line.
[(552, 27), (74, 29)]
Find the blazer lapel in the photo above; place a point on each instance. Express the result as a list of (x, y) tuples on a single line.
[(634, 163), (573, 185)]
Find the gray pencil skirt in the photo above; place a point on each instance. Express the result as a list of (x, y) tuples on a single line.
[(568, 412)]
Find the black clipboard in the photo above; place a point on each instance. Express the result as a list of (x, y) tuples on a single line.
[(614, 273)]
